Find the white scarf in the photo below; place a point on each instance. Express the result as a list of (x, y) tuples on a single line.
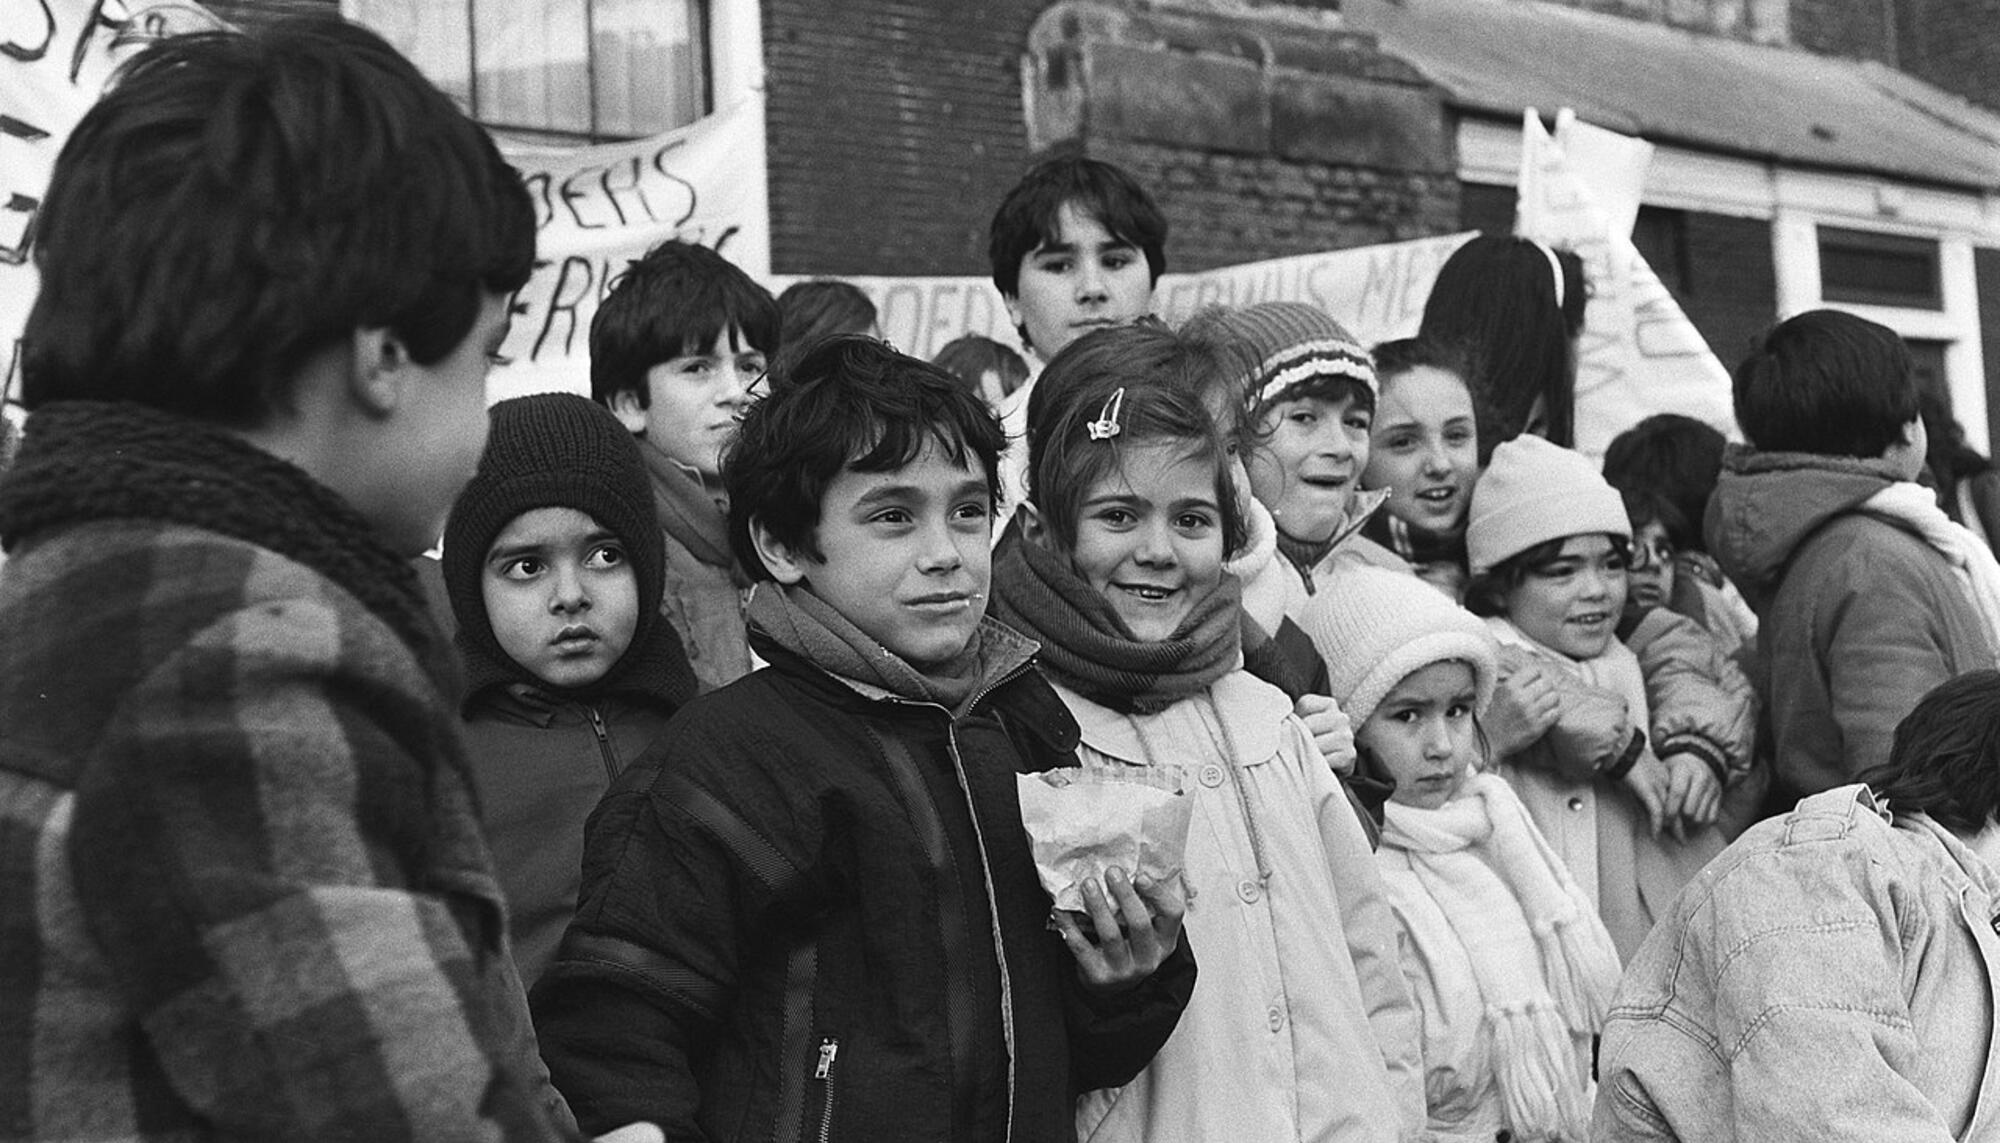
[(1917, 506), (1543, 962)]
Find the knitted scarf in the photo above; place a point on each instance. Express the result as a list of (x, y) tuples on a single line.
[(1913, 504), (97, 460), (1087, 647), (1544, 965), (1414, 544), (688, 511), (804, 624)]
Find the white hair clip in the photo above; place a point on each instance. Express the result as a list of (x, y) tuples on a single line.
[(1106, 425)]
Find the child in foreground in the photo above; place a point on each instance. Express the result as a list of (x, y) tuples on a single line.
[(1549, 543), (811, 910), (1300, 1026), (1509, 964), (553, 564)]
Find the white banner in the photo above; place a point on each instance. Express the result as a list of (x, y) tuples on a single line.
[(1639, 354), (599, 208)]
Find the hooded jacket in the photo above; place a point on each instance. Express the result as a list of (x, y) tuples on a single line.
[(1858, 616)]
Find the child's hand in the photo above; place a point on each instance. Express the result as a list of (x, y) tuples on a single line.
[(1693, 796), (1127, 938), (1331, 731), (1648, 780), (1525, 705)]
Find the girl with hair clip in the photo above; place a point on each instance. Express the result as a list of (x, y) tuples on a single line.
[(1549, 544), (1517, 307), (1300, 1026), (1505, 956)]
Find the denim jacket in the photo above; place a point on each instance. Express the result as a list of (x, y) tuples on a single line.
[(1830, 977)]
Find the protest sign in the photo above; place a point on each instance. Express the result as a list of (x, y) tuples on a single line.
[(1639, 353)]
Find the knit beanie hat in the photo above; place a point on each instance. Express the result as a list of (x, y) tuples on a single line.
[(1533, 491), (1376, 627), (553, 450), (1294, 344)]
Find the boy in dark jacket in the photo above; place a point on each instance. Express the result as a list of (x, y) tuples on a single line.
[(553, 564), (243, 893), (811, 911)]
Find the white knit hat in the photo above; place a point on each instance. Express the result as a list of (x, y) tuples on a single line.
[(1375, 627), (1533, 491)]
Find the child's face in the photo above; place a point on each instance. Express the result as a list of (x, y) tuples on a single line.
[(433, 438), (695, 401), (1423, 734), (1425, 448), (1650, 579), (1305, 462), (1572, 605), (1084, 280), (1149, 537), (906, 554), (561, 595)]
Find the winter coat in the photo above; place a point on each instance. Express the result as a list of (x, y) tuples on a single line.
[(244, 888), (1595, 824), (791, 927), (1301, 1027), (540, 765), (1830, 977), (1858, 617), (1700, 703)]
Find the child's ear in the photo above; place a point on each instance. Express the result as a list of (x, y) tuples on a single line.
[(785, 565), (630, 413), (379, 368), (1034, 529)]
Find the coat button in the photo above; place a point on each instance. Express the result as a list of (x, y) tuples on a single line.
[(1276, 1018), (1576, 804), (1211, 775), (1250, 891)]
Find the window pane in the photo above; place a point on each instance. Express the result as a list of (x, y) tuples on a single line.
[(1880, 269), (435, 36), (651, 65), (533, 63)]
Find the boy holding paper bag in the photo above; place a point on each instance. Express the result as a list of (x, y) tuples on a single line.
[(812, 911)]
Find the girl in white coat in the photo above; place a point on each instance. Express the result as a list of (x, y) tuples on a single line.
[(1300, 1027), (1505, 955)]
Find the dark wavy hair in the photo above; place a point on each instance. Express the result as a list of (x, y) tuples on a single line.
[(850, 402), (1166, 377), (1945, 759), (1827, 382), (1676, 457), (676, 300), (1028, 216), (240, 201)]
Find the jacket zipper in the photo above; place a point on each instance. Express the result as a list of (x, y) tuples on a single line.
[(828, 1049), (604, 749)]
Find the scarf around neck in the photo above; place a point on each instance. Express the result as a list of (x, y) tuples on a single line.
[(1972, 561), (687, 510), (1544, 965), (806, 625), (1087, 647), (85, 461)]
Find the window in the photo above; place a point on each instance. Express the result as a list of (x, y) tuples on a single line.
[(1879, 269), (594, 69)]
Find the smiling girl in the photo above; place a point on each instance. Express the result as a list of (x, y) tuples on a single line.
[(1509, 964), (1424, 451), (1300, 1026), (1549, 543)]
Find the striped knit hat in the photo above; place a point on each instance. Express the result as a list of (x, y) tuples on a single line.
[(1295, 345)]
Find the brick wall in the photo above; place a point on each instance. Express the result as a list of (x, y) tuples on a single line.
[(894, 128)]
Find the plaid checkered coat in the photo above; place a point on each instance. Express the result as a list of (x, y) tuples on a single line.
[(242, 889)]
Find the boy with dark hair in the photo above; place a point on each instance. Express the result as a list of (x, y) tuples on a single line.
[(676, 350), (1075, 245), (554, 565), (1829, 975), (241, 875), (1866, 595), (813, 908)]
